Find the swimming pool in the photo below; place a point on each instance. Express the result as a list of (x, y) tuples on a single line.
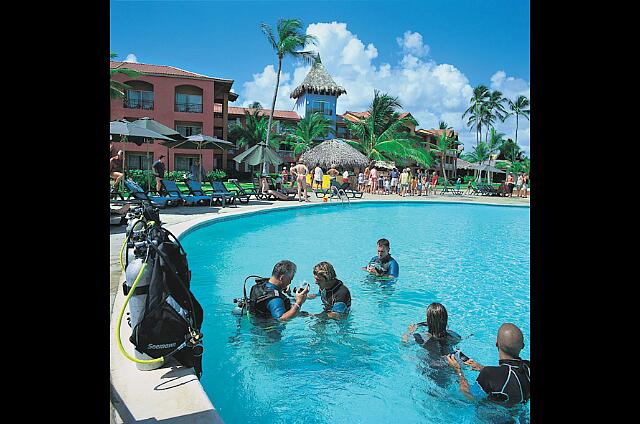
[(474, 259)]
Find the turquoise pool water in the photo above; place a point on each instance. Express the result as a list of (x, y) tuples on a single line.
[(474, 259)]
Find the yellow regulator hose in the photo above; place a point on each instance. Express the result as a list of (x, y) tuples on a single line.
[(131, 290)]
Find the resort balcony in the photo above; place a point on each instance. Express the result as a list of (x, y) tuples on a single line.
[(138, 104), (188, 107)]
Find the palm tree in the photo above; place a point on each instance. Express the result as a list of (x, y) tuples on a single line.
[(117, 89), (255, 105), (312, 127), (480, 96), (519, 108), (383, 135), (254, 131), (291, 38), (442, 125), (510, 151), (442, 146), (495, 109), (479, 155), (495, 141)]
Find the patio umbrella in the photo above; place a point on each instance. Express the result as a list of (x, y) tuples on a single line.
[(259, 153), (153, 125), (129, 131), (334, 152), (199, 141)]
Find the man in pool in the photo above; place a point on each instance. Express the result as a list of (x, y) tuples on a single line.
[(335, 296), (383, 265), (267, 298), (508, 382)]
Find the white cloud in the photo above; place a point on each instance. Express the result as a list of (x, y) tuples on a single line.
[(430, 91), (411, 42), (131, 58)]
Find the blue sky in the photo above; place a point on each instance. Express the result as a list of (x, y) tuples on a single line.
[(428, 53)]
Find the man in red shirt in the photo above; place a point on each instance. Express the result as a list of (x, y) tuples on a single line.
[(434, 181)]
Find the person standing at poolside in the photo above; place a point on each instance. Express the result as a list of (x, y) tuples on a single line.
[(317, 178), (333, 174), (116, 169), (335, 296), (414, 185), (374, 180), (367, 179), (383, 265), (404, 182), (361, 181), (158, 172), (469, 189), (510, 185), (197, 171), (299, 172), (458, 182), (426, 184), (434, 181), (525, 185), (519, 185), (285, 175), (394, 180), (268, 299), (345, 176), (506, 383)]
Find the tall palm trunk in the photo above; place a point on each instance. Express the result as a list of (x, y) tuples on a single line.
[(516, 129), (273, 107)]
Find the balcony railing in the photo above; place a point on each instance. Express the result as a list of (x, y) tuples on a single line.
[(326, 112), (138, 104), (189, 107)]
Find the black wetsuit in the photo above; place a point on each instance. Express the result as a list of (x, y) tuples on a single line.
[(336, 299), (507, 383)]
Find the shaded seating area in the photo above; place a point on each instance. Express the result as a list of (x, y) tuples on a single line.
[(136, 192), (171, 189)]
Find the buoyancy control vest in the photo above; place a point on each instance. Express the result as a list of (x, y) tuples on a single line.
[(260, 295), (338, 293), (172, 318)]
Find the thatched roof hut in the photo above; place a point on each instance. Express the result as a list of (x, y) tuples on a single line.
[(318, 81), (334, 152)]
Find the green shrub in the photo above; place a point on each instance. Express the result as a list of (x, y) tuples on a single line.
[(142, 177), (176, 175), (216, 175)]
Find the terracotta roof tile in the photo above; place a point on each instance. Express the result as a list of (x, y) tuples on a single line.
[(160, 70)]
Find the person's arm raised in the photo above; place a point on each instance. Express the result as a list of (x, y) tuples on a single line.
[(464, 384), (412, 328), (301, 297)]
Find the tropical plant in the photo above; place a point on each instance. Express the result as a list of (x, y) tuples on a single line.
[(480, 96), (383, 135), (510, 151), (254, 131), (442, 146), (444, 126), (255, 105), (495, 109), (309, 129), (519, 108), (479, 155), (291, 38), (117, 88), (494, 142)]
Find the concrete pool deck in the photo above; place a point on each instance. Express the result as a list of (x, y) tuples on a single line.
[(173, 394)]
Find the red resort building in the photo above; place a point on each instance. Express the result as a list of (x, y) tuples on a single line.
[(188, 102)]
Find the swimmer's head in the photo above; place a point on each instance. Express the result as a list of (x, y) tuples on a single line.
[(324, 274), (437, 319), (510, 340), (383, 248)]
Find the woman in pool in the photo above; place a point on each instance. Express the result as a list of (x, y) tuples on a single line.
[(437, 339)]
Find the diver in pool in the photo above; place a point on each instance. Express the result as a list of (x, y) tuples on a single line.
[(335, 296), (268, 299), (507, 383), (383, 265), (437, 338), (437, 341)]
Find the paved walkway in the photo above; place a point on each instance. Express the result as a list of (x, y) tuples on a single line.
[(139, 399)]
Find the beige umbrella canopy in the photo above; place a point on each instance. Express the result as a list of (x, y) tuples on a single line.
[(334, 152)]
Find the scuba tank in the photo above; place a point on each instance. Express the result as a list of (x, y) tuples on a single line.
[(165, 316), (137, 302)]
